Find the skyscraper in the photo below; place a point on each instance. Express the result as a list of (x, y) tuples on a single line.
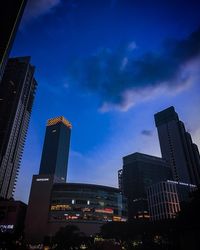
[(17, 91), (10, 16), (53, 169), (56, 148), (177, 147)]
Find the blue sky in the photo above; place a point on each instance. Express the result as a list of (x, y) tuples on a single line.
[(108, 67)]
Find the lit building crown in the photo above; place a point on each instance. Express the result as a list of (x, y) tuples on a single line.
[(59, 119)]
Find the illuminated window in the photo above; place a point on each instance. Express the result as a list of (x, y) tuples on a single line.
[(60, 207)]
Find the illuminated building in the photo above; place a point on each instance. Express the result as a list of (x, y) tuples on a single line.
[(86, 202), (177, 148), (165, 199), (54, 205), (139, 172), (56, 148), (17, 91), (10, 16)]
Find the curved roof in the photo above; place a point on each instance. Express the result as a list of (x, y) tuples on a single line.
[(84, 186)]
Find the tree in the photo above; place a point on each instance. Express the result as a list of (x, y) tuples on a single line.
[(68, 237)]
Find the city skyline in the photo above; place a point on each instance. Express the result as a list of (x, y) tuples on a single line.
[(110, 118)]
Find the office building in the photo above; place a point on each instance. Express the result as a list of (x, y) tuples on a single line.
[(54, 205), (10, 16), (139, 172), (17, 91), (56, 148), (177, 147), (163, 201), (166, 199)]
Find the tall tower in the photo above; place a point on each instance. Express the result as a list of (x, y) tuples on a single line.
[(10, 15), (17, 91), (56, 148), (177, 147), (53, 168)]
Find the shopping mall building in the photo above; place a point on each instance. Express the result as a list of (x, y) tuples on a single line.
[(54, 205)]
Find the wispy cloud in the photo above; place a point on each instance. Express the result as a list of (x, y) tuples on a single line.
[(121, 80), (147, 132), (36, 8)]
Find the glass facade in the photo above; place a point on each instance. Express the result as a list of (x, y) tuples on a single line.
[(86, 202)]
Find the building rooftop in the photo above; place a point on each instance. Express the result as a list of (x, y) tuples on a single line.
[(59, 119), (165, 116), (142, 157), (62, 186)]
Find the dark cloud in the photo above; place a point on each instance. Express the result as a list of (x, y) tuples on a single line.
[(147, 132), (111, 74)]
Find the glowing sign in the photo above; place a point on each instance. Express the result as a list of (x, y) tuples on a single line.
[(105, 210), (116, 218), (181, 183), (4, 228), (42, 179)]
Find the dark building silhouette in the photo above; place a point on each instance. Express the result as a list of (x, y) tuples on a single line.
[(139, 172), (17, 91), (56, 148), (12, 217), (10, 15), (177, 147)]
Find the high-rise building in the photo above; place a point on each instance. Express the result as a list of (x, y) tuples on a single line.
[(10, 15), (56, 148), (17, 92), (177, 147), (139, 172)]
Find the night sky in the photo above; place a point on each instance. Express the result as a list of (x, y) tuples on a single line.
[(108, 67)]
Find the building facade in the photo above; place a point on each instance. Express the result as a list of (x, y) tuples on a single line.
[(86, 202), (139, 172), (163, 201), (10, 16), (17, 91), (55, 205), (177, 147), (166, 199), (56, 148)]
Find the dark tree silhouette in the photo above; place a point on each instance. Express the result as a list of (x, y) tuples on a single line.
[(68, 237)]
